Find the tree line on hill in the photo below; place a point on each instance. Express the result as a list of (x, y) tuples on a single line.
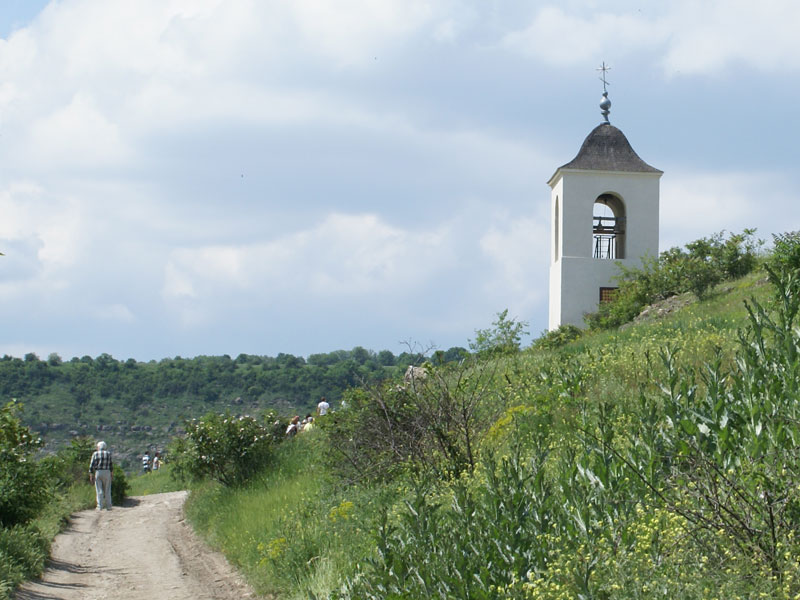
[(88, 394), (207, 378)]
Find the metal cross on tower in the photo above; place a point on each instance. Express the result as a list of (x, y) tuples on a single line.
[(605, 70), (605, 103)]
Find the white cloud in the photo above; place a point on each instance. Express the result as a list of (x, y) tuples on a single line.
[(29, 212), (690, 37), (519, 253), (116, 312), (343, 256), (559, 38), (709, 36), (695, 205), (355, 31), (77, 135)]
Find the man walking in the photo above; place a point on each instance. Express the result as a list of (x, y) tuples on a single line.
[(100, 474)]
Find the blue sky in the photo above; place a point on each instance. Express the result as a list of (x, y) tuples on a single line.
[(15, 14), (186, 177)]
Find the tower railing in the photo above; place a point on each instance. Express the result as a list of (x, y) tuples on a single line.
[(605, 246), (604, 232)]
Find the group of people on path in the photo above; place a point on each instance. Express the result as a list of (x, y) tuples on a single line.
[(307, 424), (150, 464)]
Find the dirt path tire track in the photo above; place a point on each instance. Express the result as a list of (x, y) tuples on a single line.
[(141, 551)]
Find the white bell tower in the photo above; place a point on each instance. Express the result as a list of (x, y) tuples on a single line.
[(604, 210)]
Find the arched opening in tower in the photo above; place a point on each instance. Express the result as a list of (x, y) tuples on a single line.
[(608, 227)]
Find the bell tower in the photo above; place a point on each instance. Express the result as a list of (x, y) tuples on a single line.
[(604, 210)]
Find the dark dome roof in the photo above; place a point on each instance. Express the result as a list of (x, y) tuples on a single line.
[(607, 149)]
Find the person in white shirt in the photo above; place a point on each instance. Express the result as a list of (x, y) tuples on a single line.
[(322, 407)]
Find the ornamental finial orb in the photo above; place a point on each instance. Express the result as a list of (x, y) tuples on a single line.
[(605, 106)]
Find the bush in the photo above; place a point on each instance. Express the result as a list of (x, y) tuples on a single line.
[(119, 486), (435, 421), (23, 550), (733, 454), (502, 338), (69, 465), (224, 448), (23, 484), (551, 340), (786, 252), (700, 267)]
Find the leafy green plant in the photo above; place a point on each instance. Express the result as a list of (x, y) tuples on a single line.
[(436, 420), (222, 447), (786, 252), (700, 267), (23, 550), (70, 464), (502, 338), (23, 484), (563, 335), (119, 486), (468, 543), (736, 444)]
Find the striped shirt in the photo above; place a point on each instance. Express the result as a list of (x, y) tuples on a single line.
[(101, 460)]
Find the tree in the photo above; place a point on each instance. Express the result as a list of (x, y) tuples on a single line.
[(502, 338), (455, 354), (360, 354), (386, 358)]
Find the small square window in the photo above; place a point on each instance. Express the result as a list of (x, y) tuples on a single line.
[(607, 294)]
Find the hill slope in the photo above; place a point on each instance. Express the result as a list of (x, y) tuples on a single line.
[(658, 460)]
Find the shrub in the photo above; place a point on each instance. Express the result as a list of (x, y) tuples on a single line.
[(703, 264), (23, 484), (222, 447), (119, 486), (551, 340), (435, 421), (503, 337), (701, 276), (69, 465), (23, 550), (786, 252), (731, 453)]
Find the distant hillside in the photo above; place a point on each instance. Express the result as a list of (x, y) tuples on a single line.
[(136, 406)]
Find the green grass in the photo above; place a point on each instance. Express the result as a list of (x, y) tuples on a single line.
[(24, 550), (291, 531), (156, 482)]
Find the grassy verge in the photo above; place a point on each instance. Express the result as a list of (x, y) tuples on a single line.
[(24, 549), (292, 532), (157, 482)]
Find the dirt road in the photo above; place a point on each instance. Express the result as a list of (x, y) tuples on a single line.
[(141, 551)]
